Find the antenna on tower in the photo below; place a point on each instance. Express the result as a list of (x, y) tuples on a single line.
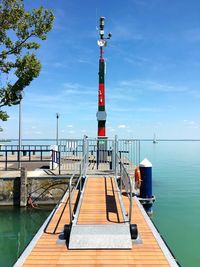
[(102, 41)]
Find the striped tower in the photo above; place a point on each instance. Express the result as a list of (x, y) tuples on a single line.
[(101, 98), (101, 114)]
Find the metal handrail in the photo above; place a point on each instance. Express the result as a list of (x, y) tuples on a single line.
[(82, 168), (24, 147), (55, 157), (126, 181)]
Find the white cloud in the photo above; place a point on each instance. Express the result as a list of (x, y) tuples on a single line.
[(148, 109), (191, 124), (118, 94), (71, 85), (110, 129), (122, 126), (75, 88), (69, 126), (152, 86), (119, 109), (84, 61), (139, 60)]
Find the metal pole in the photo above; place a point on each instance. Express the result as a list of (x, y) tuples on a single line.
[(131, 202), (57, 117), (115, 158), (139, 153), (70, 207), (20, 134)]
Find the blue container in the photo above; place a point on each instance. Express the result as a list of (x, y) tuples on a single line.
[(146, 177)]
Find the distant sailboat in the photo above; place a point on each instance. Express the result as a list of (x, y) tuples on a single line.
[(154, 139)]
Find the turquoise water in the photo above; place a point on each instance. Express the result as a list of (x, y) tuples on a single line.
[(176, 184), (17, 228)]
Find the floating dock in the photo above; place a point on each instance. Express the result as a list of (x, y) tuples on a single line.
[(99, 234)]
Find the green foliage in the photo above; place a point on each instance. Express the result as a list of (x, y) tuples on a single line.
[(3, 115), (19, 30)]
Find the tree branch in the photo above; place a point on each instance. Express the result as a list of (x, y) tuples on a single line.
[(11, 51)]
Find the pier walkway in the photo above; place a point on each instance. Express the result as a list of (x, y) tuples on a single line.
[(99, 221), (100, 205)]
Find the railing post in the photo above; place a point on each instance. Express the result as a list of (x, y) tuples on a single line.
[(83, 146), (115, 159), (52, 158), (70, 208), (113, 156), (80, 185), (85, 151), (97, 154), (6, 167), (80, 168), (59, 161), (23, 187), (131, 202), (139, 152), (120, 176)]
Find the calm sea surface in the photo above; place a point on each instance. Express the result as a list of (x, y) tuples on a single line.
[(176, 185), (17, 228)]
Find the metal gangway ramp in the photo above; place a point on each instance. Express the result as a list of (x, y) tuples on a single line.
[(100, 222)]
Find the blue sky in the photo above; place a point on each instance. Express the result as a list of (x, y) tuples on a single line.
[(152, 71)]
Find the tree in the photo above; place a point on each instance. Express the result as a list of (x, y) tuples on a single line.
[(19, 31)]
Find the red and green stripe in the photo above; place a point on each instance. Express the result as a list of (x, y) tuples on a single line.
[(101, 98)]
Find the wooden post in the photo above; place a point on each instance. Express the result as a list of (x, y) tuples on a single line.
[(23, 187)]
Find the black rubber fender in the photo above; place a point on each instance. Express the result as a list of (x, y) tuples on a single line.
[(133, 231), (67, 230)]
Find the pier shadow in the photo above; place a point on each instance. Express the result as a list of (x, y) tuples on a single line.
[(16, 192), (56, 224), (111, 205)]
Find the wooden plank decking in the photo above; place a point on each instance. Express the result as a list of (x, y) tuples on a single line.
[(100, 205)]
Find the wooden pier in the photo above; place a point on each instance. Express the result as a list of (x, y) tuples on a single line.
[(100, 205)]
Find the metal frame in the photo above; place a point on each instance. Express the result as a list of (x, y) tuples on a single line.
[(54, 158), (82, 167), (125, 181)]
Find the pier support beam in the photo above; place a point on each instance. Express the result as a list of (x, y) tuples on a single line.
[(23, 187)]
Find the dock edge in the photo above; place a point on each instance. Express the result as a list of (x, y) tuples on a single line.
[(170, 258)]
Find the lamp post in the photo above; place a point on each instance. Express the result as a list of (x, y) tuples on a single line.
[(20, 134), (57, 118), (19, 95)]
